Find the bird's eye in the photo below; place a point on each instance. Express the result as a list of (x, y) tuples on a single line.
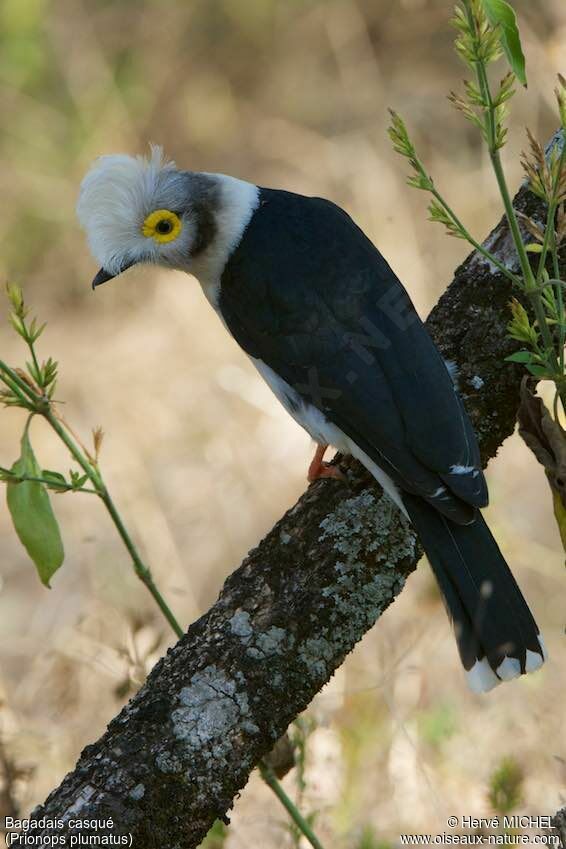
[(162, 225)]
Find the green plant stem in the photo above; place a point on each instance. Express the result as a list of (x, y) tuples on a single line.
[(465, 233), (31, 347), (270, 779), (15, 390), (9, 374), (469, 238), (92, 473), (463, 230), (142, 571), (52, 484), (531, 287), (530, 284), (559, 297), (549, 232)]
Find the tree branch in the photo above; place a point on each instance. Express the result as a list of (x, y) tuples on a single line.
[(174, 758), (559, 824)]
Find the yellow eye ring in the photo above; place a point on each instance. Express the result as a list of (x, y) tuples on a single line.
[(162, 225)]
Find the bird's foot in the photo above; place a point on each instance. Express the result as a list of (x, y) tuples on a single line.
[(319, 469)]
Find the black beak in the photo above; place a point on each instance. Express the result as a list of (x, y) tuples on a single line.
[(104, 276)]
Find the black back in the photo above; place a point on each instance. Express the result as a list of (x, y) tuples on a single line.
[(308, 293)]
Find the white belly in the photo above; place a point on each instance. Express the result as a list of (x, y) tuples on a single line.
[(323, 431)]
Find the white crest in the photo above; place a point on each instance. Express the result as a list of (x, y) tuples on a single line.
[(120, 191), (116, 195)]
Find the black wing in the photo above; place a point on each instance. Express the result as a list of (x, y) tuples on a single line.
[(306, 292)]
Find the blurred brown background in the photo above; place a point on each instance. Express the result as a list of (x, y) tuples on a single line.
[(198, 454)]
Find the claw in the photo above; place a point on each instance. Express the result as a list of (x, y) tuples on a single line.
[(319, 469)]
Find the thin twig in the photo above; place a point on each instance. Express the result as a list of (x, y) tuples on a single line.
[(269, 777)]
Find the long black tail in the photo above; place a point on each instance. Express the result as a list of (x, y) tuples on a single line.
[(497, 637)]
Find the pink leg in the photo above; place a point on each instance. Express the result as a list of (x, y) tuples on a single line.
[(319, 469)]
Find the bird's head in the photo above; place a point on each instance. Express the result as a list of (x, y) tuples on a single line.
[(138, 209)]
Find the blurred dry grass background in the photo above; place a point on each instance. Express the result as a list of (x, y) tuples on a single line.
[(199, 455)]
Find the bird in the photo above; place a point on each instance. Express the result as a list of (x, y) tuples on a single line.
[(334, 333)]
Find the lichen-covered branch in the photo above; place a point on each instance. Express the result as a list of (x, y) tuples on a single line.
[(174, 758)]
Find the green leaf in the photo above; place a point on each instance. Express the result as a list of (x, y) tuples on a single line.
[(520, 357), (33, 516), (533, 248), (55, 478), (77, 480), (538, 371), (501, 14)]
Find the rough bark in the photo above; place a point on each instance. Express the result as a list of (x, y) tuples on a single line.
[(175, 757), (559, 823)]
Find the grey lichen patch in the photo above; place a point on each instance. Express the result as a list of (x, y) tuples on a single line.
[(315, 654), (274, 641), (476, 382), (271, 641), (168, 763), (254, 653), (115, 782), (356, 605), (85, 796), (240, 624), (137, 792), (485, 425), (211, 706), (366, 524), (360, 525)]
